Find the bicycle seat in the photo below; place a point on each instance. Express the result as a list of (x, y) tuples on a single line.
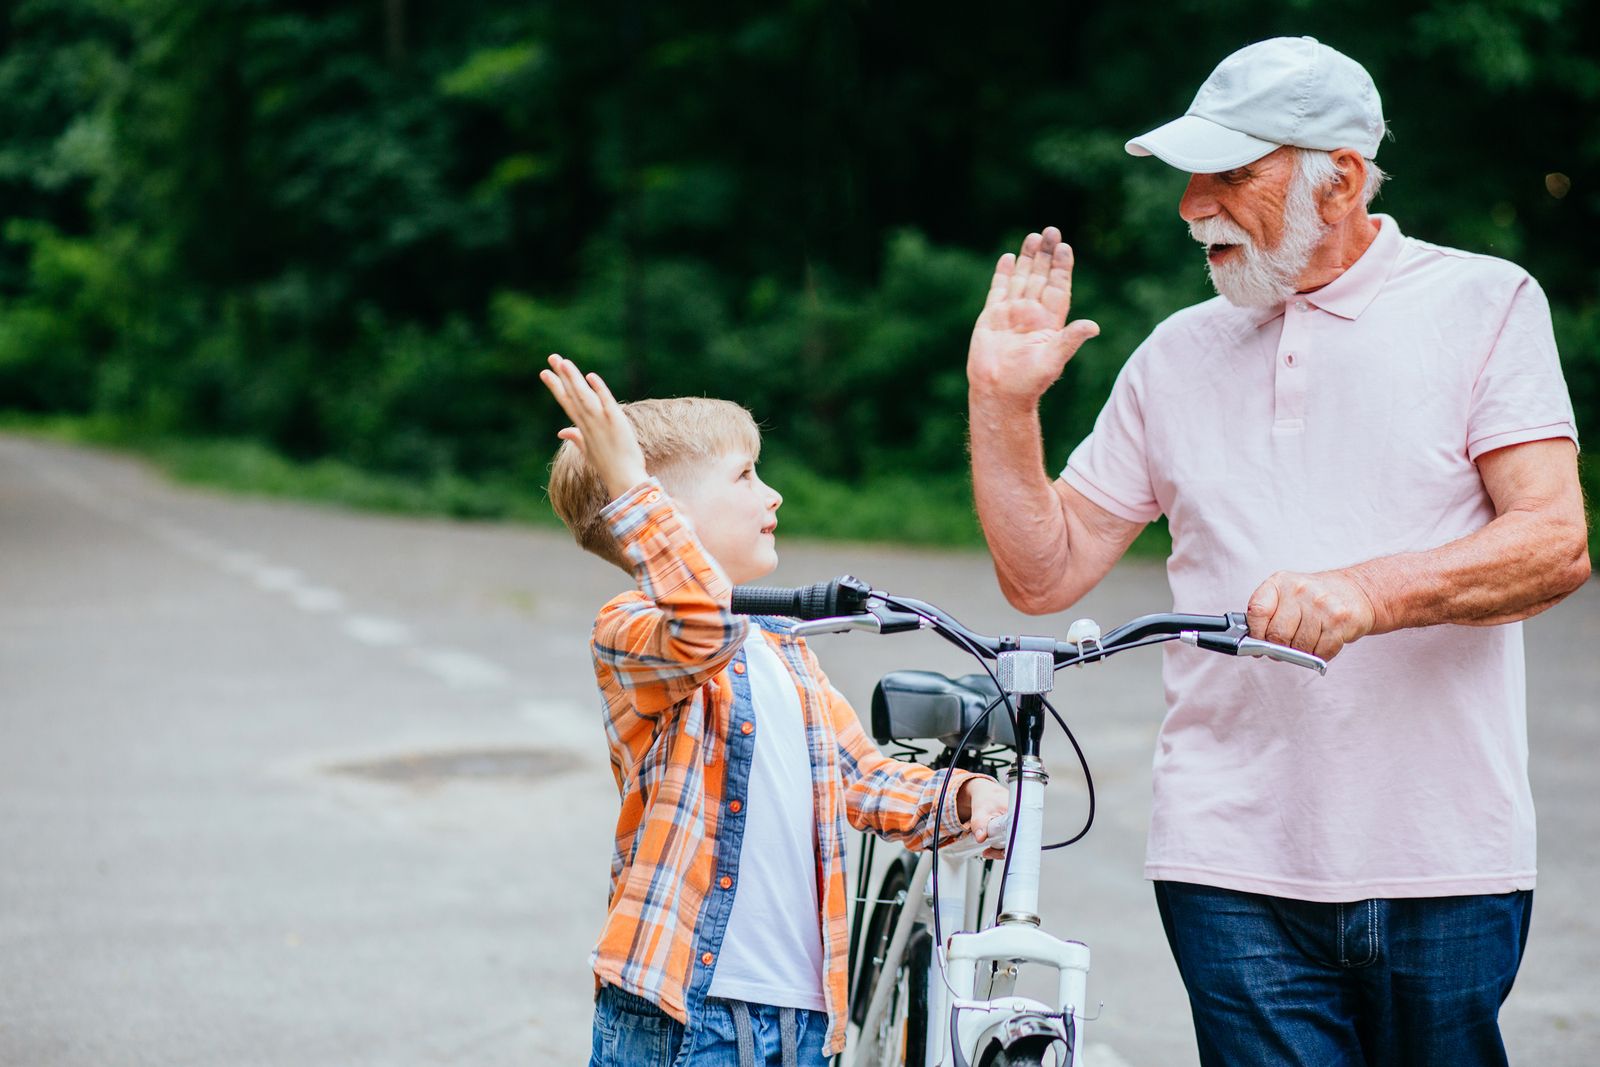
[(925, 705)]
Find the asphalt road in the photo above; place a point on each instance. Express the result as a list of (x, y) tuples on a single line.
[(285, 785)]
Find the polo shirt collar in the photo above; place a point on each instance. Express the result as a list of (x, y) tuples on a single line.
[(1348, 295)]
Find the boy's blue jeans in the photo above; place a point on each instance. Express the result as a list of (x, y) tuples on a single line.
[(1385, 983), (629, 1031)]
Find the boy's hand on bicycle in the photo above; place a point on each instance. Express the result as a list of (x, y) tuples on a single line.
[(1022, 339), (981, 801), (599, 430)]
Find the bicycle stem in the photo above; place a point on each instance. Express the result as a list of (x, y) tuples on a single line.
[(1026, 675)]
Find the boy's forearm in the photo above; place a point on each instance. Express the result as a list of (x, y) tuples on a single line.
[(902, 803), (892, 798)]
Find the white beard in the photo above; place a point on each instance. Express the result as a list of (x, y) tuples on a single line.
[(1265, 278)]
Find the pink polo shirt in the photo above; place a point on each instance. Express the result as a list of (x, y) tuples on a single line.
[(1341, 427)]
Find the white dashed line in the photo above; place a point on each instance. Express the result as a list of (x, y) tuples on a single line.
[(241, 562), (316, 600), (183, 539), (370, 630), (560, 722), (455, 668), (461, 670), (277, 579)]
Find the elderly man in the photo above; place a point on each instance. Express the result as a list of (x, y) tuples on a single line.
[(1366, 438)]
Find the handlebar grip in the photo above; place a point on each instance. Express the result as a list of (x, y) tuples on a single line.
[(845, 595)]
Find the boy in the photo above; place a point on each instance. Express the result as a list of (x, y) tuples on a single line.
[(738, 764)]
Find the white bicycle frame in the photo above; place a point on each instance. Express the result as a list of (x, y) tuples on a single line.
[(956, 1011)]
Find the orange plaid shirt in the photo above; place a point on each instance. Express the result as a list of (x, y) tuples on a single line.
[(670, 667)]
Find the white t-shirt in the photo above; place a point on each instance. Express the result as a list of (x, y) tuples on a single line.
[(1339, 428), (772, 949)]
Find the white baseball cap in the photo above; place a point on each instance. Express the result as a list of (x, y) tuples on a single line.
[(1283, 91)]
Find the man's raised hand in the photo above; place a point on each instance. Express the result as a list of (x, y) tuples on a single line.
[(599, 428), (1022, 339)]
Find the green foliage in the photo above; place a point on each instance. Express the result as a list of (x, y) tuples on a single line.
[(350, 234)]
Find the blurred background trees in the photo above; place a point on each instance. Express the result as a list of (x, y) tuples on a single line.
[(354, 230)]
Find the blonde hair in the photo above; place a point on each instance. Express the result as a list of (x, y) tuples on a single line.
[(677, 435)]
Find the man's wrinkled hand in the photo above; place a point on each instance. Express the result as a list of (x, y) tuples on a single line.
[(1022, 339), (1317, 613)]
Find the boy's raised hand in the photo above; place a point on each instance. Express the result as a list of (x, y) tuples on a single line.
[(599, 430)]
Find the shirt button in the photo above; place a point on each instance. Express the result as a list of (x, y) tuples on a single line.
[(706, 958), (747, 727), (725, 882), (1288, 358), (1301, 305), (736, 807), (652, 496), (738, 668)]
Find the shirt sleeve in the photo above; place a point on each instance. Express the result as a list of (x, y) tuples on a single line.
[(892, 798), (679, 631), (1520, 394), (1111, 466)]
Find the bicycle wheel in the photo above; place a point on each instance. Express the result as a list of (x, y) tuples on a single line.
[(1027, 1050), (1027, 1057), (902, 1033)]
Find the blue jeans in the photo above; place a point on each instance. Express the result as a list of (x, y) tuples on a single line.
[(1386, 983), (629, 1031)]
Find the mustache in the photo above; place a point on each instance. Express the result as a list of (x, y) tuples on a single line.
[(1216, 231)]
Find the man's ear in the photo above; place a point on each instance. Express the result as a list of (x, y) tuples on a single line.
[(1347, 191)]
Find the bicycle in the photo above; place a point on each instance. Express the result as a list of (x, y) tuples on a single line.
[(916, 995)]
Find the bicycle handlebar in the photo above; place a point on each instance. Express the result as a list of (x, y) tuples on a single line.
[(846, 599), (844, 595)]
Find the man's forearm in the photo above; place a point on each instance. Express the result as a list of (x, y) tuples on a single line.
[(1021, 513), (1515, 567)]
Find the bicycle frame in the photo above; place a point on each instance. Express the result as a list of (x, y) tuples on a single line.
[(962, 1023)]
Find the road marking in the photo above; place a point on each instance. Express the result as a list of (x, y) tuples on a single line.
[(380, 633), (544, 711), (563, 723), (455, 668), (277, 579), (183, 539), (241, 562), (461, 670), (316, 599)]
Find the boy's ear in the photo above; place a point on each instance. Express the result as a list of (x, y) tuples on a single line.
[(675, 478)]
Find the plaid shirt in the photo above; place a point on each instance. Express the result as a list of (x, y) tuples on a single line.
[(679, 721)]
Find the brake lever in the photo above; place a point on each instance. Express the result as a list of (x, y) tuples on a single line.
[(1240, 645), (1250, 646), (876, 619), (837, 624), (898, 622)]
